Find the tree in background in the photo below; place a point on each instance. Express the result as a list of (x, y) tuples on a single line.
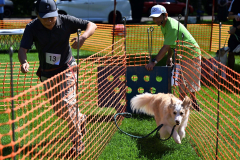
[(23, 8)]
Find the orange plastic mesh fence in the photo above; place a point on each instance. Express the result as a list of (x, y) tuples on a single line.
[(46, 125), (14, 24), (21, 82), (202, 127), (41, 134), (224, 36), (137, 36), (11, 40), (101, 39)]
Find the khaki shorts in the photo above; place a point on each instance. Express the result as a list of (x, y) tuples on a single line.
[(190, 75), (65, 92)]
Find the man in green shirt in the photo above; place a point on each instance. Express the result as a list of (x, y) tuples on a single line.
[(190, 57)]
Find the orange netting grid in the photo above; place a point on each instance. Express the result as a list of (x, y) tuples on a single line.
[(42, 120), (203, 125), (136, 36)]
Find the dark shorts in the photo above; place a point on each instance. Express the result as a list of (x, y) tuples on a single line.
[(233, 42)]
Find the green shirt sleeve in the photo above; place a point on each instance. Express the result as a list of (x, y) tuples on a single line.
[(170, 36), (170, 33)]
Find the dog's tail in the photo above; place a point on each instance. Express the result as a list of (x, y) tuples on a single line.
[(141, 103)]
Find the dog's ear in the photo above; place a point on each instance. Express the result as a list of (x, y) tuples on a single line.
[(187, 102), (171, 104)]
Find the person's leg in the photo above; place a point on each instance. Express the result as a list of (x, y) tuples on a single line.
[(191, 71), (232, 44), (193, 96), (196, 81), (182, 82), (76, 121), (194, 101), (52, 87), (231, 60), (182, 93)]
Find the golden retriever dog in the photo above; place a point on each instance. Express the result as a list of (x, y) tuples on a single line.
[(167, 110)]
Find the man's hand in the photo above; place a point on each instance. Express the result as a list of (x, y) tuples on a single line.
[(150, 66), (75, 42), (25, 67), (169, 62)]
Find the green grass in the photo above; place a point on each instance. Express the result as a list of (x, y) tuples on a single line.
[(124, 147)]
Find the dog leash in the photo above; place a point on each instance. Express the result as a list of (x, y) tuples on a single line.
[(129, 115)]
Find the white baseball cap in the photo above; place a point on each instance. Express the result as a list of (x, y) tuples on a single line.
[(157, 10)]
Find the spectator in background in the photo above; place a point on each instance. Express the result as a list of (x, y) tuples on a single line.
[(222, 10), (2, 3), (234, 39), (50, 32)]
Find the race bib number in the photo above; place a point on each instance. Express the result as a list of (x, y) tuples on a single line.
[(53, 59)]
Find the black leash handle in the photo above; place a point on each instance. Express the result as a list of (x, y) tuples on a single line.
[(129, 115)]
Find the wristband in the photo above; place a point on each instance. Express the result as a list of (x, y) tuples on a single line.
[(154, 60)]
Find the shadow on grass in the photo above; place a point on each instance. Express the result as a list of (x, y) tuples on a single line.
[(153, 148)]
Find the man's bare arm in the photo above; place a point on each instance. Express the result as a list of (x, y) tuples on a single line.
[(22, 57), (169, 57), (91, 27), (233, 16), (162, 52), (159, 56)]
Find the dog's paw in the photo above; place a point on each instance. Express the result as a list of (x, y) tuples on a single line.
[(178, 141), (182, 134)]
